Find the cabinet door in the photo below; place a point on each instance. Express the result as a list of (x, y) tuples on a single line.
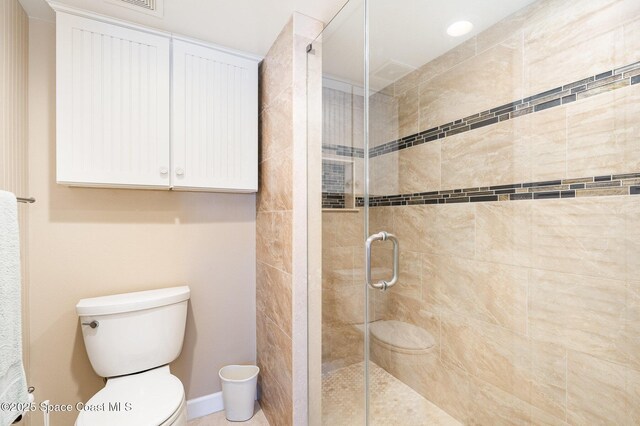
[(215, 120), (113, 108)]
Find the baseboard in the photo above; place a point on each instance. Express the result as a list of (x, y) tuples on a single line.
[(204, 405)]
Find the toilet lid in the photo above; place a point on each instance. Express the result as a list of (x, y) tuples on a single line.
[(144, 399)]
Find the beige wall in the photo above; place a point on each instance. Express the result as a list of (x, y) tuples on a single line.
[(92, 242), (14, 176)]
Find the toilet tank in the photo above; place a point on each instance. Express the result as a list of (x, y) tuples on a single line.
[(133, 332)]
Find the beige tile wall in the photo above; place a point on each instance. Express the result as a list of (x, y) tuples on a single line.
[(534, 305), (342, 291), (281, 226), (593, 136), (274, 231), (517, 57)]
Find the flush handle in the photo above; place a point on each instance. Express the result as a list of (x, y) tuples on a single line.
[(92, 324)]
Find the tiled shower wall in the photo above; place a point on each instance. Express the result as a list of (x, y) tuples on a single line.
[(342, 291), (534, 303), (548, 45)]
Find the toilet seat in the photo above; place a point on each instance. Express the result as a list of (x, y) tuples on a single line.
[(156, 398)]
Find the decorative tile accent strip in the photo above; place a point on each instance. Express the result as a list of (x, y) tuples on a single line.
[(333, 177), (623, 184), (590, 86), (333, 184), (343, 150), (333, 201)]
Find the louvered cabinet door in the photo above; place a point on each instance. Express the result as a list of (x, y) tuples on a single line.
[(214, 120), (113, 111)]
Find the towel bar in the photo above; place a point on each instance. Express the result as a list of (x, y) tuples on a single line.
[(26, 200)]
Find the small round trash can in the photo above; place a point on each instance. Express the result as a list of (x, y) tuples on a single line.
[(239, 391)]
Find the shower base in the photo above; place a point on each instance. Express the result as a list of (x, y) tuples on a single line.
[(391, 401)]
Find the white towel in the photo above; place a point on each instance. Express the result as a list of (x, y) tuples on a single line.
[(13, 385)]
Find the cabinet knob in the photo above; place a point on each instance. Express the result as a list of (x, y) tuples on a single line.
[(180, 171), (164, 170)]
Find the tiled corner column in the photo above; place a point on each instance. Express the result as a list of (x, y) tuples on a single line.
[(281, 226), (273, 232)]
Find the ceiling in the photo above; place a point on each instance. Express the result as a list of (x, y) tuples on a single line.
[(248, 25), (403, 34)]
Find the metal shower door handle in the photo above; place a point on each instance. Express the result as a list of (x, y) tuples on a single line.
[(382, 236)]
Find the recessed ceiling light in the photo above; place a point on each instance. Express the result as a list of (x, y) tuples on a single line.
[(459, 28)]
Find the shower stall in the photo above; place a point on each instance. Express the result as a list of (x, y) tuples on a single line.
[(474, 254)]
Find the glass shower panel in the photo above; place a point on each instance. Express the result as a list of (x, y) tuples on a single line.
[(405, 368), (341, 46), (505, 161)]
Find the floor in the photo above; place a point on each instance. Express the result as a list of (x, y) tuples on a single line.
[(218, 418), (392, 402)]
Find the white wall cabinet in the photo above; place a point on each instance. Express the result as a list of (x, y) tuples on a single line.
[(140, 108), (113, 112), (215, 119)]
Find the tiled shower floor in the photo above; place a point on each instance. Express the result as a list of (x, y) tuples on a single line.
[(392, 402)]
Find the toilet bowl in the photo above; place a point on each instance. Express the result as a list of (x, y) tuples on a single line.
[(155, 397), (130, 340)]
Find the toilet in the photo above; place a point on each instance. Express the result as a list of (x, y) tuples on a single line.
[(130, 339)]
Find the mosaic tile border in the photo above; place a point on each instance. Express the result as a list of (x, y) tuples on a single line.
[(333, 176), (562, 95), (343, 150), (333, 200), (621, 184), (600, 83)]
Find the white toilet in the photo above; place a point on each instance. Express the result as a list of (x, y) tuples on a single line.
[(131, 338)]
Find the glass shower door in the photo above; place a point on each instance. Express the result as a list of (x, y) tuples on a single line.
[(402, 335), (341, 49), (504, 159), (504, 162), (403, 332)]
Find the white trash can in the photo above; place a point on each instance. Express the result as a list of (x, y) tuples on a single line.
[(239, 391)]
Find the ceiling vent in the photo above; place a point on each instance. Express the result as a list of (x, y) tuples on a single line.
[(388, 72), (392, 70), (151, 7)]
